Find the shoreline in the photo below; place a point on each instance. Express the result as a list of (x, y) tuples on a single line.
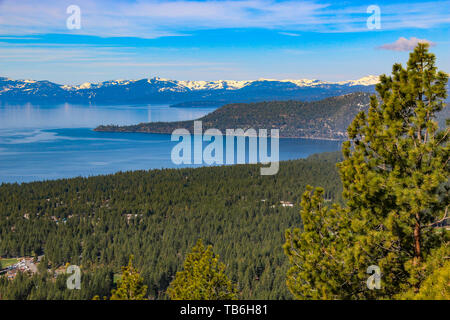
[(190, 167), (281, 137)]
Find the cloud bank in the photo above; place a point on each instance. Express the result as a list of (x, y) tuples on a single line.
[(404, 44), (156, 18)]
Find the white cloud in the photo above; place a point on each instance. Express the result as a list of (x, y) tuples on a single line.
[(156, 18), (404, 44), (151, 19), (290, 34)]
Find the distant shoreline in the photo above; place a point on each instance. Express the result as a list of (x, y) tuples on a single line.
[(224, 134), (327, 119)]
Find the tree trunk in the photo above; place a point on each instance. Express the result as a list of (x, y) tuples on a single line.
[(417, 252)]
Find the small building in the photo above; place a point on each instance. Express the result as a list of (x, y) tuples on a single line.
[(286, 204)]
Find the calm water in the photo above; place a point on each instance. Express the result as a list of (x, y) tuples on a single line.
[(50, 142)]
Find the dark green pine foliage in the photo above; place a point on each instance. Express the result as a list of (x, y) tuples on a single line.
[(327, 118), (158, 216), (44, 286), (318, 267), (394, 174)]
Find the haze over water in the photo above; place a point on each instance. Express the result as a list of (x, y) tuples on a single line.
[(57, 141)]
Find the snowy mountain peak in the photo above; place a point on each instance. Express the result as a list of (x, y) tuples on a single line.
[(86, 85), (195, 85), (364, 81), (166, 90), (239, 84)]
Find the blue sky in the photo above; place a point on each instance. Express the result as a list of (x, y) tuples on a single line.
[(212, 40)]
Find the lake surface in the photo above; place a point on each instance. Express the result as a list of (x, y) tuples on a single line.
[(51, 142)]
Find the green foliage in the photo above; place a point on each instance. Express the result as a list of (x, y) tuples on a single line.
[(394, 176), (4, 263), (158, 216), (43, 266), (203, 277), (436, 284), (315, 253), (45, 286), (130, 286)]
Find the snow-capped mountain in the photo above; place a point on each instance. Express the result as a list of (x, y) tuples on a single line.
[(224, 84), (160, 90)]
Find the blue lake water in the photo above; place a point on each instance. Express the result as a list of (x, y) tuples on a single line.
[(51, 142)]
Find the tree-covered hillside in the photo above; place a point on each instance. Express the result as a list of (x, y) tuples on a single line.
[(158, 216), (324, 119)]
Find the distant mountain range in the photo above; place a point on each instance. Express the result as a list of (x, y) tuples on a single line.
[(188, 93)]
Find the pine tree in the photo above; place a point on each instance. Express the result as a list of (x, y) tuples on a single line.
[(394, 167), (203, 278), (436, 285), (130, 286), (318, 269)]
